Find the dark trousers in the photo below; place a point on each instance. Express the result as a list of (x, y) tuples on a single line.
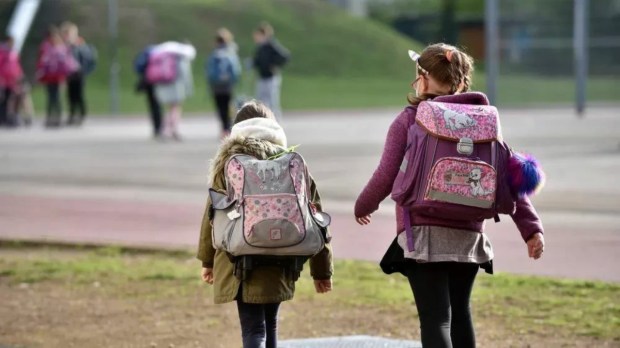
[(54, 109), (222, 102), (154, 108), (258, 321), (75, 92), (442, 291), (5, 97)]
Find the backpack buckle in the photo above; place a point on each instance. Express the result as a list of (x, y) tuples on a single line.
[(465, 146), (233, 214)]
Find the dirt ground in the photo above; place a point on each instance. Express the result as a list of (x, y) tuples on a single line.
[(155, 310), (59, 315)]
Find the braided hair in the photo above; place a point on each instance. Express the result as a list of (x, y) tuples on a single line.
[(448, 65)]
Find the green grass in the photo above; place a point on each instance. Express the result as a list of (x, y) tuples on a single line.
[(338, 61), (523, 303), (315, 93), (298, 93)]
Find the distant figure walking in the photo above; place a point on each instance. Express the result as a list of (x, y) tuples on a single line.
[(269, 58), (10, 75), (55, 64), (170, 69), (140, 64), (222, 71), (86, 56)]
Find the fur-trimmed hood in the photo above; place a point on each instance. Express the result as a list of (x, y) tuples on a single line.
[(258, 137)]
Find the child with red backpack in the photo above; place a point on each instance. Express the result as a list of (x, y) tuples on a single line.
[(55, 64), (448, 169), (10, 75), (263, 221)]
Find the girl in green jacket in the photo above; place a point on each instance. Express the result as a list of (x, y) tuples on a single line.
[(258, 297)]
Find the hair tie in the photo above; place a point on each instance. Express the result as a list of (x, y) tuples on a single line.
[(449, 54)]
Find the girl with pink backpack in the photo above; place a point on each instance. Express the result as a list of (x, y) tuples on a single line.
[(55, 64), (257, 284), (10, 75), (169, 69), (448, 169)]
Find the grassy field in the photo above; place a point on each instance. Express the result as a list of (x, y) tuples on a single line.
[(121, 298), (315, 93), (327, 45), (338, 61)]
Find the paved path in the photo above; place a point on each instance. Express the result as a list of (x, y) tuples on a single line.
[(109, 183)]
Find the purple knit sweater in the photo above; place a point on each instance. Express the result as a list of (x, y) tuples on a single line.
[(380, 184)]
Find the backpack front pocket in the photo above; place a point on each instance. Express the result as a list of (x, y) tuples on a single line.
[(273, 221), (462, 181)]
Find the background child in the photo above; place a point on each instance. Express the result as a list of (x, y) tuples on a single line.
[(10, 75), (222, 71), (86, 56), (448, 252), (21, 105), (269, 59), (55, 64), (255, 133), (173, 94)]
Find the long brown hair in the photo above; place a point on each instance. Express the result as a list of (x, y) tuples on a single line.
[(447, 65)]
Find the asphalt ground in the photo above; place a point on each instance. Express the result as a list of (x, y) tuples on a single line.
[(109, 182)]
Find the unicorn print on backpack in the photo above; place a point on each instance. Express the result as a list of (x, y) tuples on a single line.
[(475, 177), (456, 120), (264, 167)]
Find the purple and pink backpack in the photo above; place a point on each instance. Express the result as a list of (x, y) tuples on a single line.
[(455, 165), (10, 69), (267, 209), (162, 68), (56, 64)]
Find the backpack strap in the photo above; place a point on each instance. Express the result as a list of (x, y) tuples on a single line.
[(408, 231), (494, 153), (493, 163), (413, 110)]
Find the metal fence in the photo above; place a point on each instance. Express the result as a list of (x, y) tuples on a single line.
[(536, 39), (535, 43), (539, 50)]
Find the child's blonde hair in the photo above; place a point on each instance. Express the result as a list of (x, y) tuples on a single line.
[(224, 36), (266, 29), (447, 65)]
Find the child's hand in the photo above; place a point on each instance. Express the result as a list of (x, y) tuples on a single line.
[(536, 246), (323, 286), (364, 220), (207, 275)]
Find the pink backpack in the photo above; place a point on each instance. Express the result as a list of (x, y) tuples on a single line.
[(10, 69), (56, 63), (455, 165), (267, 210), (162, 68)]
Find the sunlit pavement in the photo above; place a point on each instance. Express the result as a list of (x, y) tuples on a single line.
[(109, 182)]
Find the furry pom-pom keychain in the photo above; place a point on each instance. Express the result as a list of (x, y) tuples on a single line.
[(525, 174)]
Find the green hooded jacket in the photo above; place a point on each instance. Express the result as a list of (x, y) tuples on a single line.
[(266, 284)]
